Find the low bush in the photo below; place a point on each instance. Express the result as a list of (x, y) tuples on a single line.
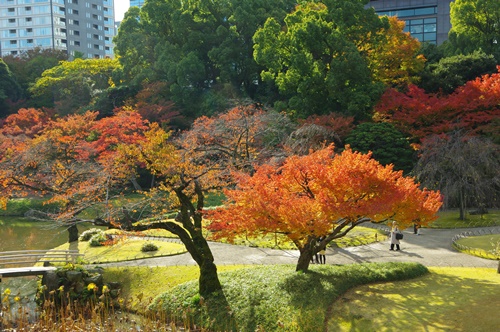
[(149, 246), (98, 239), (85, 236)]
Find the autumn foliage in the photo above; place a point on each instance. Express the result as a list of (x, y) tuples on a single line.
[(70, 159), (473, 107), (321, 195)]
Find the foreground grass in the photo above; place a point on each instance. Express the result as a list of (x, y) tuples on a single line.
[(276, 298), (450, 219), (447, 299)]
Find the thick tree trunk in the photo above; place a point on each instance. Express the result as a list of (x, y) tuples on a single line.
[(304, 259), (209, 282), (73, 233)]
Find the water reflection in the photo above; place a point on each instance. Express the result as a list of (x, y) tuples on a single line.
[(23, 234)]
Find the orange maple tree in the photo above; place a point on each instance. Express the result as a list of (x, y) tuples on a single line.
[(321, 196)]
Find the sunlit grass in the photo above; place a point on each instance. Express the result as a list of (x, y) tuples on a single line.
[(448, 299), (123, 250), (486, 246), (141, 284), (450, 219)]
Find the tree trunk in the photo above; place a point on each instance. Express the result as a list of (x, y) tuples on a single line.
[(462, 205), (209, 282), (304, 259), (73, 233)]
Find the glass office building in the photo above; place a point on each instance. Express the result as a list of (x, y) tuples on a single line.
[(426, 20), (85, 27), (136, 3)]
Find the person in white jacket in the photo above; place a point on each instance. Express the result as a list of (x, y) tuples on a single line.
[(394, 240)]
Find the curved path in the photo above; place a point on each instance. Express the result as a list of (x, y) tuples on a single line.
[(431, 248)]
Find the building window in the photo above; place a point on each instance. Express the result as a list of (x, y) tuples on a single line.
[(13, 42), (77, 43), (27, 9), (28, 19), (30, 41), (12, 31)]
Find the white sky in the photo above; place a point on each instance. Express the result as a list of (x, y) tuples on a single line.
[(121, 6)]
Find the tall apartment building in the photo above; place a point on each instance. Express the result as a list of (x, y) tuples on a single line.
[(83, 26), (426, 20)]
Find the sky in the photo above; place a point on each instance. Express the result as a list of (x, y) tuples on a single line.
[(121, 6)]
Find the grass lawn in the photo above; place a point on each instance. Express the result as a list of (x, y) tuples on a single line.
[(124, 250), (141, 284), (447, 299), (486, 246), (449, 219)]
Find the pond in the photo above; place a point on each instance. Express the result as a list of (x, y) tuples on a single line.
[(17, 233)]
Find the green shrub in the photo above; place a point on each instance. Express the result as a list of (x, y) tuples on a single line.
[(85, 236), (149, 246), (98, 239)]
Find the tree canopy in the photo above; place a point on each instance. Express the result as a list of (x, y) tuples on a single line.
[(479, 22), (315, 61), (73, 85), (387, 144), (9, 88), (320, 196), (202, 49), (473, 107)]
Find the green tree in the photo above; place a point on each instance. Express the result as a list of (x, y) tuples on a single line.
[(388, 145), (478, 22), (451, 72), (9, 88), (28, 66), (315, 61), (73, 85), (202, 49), (134, 48)]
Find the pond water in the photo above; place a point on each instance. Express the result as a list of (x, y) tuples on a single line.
[(18, 233)]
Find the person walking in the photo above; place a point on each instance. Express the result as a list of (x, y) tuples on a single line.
[(394, 240)]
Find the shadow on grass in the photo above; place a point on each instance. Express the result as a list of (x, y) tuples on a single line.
[(314, 292), (436, 302)]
